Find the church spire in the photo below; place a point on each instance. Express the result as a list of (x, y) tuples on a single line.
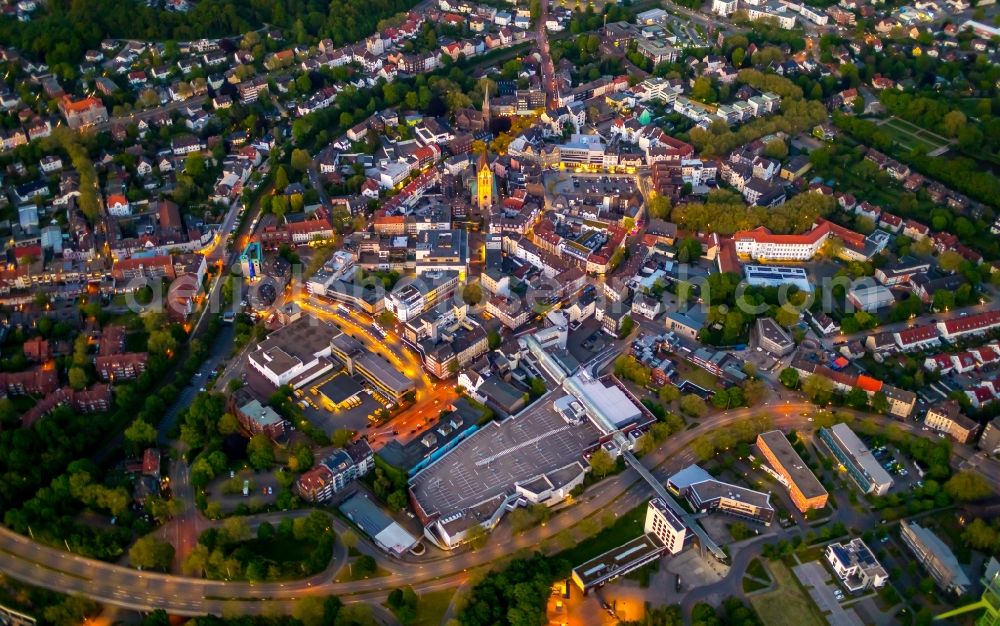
[(486, 106)]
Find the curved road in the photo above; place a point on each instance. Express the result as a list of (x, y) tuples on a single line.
[(51, 568)]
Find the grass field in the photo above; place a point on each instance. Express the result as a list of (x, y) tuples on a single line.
[(788, 604), (910, 135), (626, 528), (432, 606), (348, 574), (698, 376)]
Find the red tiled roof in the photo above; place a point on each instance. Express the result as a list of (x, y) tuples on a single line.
[(869, 384), (917, 334), (972, 322)]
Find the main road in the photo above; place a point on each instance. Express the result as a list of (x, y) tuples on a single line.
[(55, 569)]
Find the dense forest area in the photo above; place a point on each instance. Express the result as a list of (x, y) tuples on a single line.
[(68, 28)]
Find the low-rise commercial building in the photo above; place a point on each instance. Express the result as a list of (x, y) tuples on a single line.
[(870, 297), (295, 354), (776, 276)]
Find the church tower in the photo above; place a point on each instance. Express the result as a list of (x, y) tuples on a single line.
[(484, 183), (486, 107)]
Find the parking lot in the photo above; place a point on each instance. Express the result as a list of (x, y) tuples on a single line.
[(823, 591), (353, 418), (592, 184)]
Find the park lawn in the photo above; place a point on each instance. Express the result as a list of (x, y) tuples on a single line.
[(752, 584), (908, 135), (757, 570), (698, 376), (625, 528), (788, 604), (347, 574), (432, 606)]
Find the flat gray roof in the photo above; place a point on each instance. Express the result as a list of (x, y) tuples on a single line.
[(298, 342), (618, 559), (856, 449), (385, 372), (490, 462), (793, 464), (770, 330), (708, 490)]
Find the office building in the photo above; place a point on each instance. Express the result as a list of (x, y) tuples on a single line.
[(857, 459), (413, 297), (805, 489), (772, 337), (664, 523), (990, 441), (936, 557), (715, 495)]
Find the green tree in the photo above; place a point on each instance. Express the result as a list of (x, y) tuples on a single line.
[(301, 160), (818, 389), (693, 405), (776, 149), (737, 57), (601, 463), (260, 452), (626, 327), (151, 553), (950, 261), (659, 206), (668, 393), (967, 486), (228, 424), (139, 435), (280, 179), (77, 378), (688, 250), (789, 377), (472, 294), (703, 90)]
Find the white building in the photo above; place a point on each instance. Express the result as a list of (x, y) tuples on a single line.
[(856, 566), (665, 524), (777, 275), (725, 8), (405, 303), (870, 297), (295, 354)]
